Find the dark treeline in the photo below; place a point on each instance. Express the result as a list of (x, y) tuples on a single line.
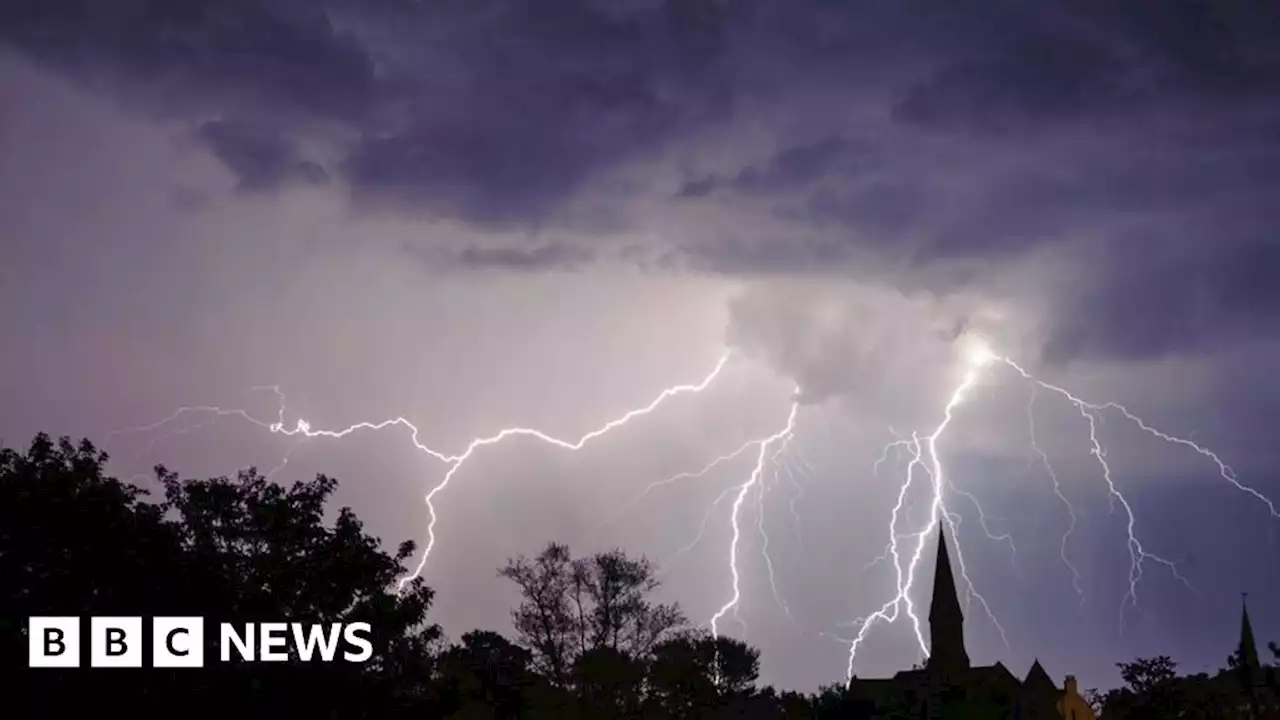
[(589, 639), (1154, 690)]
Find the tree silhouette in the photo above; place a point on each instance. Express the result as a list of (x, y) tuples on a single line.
[(1148, 676), (74, 541), (1095, 698), (1151, 690), (694, 671), (543, 621), (593, 630), (265, 554), (611, 602), (836, 702), (571, 607), (1154, 690), (609, 683), (486, 676)]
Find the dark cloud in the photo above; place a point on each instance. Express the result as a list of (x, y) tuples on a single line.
[(793, 168), (697, 188), (796, 168), (924, 135), (1027, 82), (550, 256), (553, 95), (1096, 61), (884, 209), (511, 109), (533, 255), (1149, 299), (263, 159), (201, 55)]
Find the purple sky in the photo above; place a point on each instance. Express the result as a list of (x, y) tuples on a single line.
[(477, 214)]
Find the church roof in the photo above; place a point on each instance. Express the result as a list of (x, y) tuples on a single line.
[(984, 675), (993, 683), (1038, 681)]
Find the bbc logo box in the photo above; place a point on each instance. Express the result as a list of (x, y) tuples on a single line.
[(179, 642), (115, 642)]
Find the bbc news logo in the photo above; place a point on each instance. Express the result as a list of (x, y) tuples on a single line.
[(178, 642)]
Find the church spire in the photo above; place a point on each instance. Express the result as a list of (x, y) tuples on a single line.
[(946, 619), (1247, 653)]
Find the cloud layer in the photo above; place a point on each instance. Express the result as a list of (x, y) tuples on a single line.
[(1117, 144)]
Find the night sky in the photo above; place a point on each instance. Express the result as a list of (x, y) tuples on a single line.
[(477, 213)]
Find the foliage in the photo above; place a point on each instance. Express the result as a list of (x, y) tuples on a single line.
[(1153, 689), (696, 670), (1095, 698), (74, 541)]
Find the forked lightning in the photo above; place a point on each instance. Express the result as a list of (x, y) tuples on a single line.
[(924, 457), (453, 463), (924, 460)]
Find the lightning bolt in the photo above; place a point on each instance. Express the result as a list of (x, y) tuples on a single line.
[(923, 461), (782, 440), (702, 530), (706, 470), (792, 469), (1057, 490), (761, 491), (743, 490), (924, 457), (454, 463), (1091, 413)]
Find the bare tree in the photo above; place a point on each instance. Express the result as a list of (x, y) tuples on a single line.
[(621, 616), (572, 607), (543, 620)]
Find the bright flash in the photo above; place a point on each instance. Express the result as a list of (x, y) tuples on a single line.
[(977, 353)]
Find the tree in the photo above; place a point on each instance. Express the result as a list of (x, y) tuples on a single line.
[(543, 621), (1147, 676), (1273, 672), (74, 541), (838, 703), (1204, 698), (611, 600), (1095, 699), (609, 683), (696, 670), (486, 676), (266, 553), (792, 704), (571, 607), (1151, 690)]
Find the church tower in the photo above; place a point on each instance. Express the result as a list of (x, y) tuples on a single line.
[(946, 620), (1247, 653)]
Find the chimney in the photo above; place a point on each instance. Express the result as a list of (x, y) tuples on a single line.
[(1070, 685)]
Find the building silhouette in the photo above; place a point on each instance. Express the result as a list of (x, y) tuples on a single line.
[(1248, 676), (950, 686)]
